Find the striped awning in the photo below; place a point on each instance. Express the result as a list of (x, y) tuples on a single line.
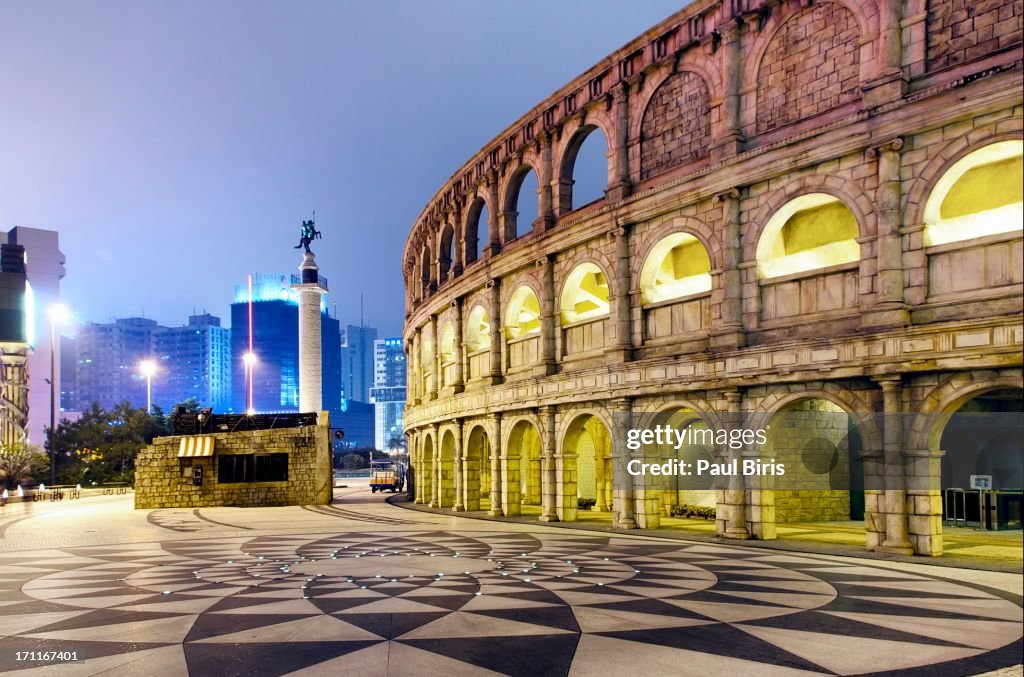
[(196, 446)]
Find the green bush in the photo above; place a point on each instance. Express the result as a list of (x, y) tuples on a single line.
[(694, 511), (586, 503)]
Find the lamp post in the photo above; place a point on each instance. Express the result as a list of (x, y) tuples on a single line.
[(249, 358), (59, 314), (147, 368)]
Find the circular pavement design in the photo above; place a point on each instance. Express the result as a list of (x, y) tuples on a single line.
[(466, 603)]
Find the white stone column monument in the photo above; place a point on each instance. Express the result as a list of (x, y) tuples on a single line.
[(310, 290)]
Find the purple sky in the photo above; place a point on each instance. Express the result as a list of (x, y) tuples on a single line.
[(176, 146)]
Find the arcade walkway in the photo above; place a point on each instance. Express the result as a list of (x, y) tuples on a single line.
[(369, 588)]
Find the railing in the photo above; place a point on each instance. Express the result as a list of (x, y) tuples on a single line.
[(523, 351), (321, 281), (583, 337), (982, 263), (200, 424), (677, 317), (479, 363), (816, 291)]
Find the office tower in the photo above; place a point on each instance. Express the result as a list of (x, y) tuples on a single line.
[(388, 392)]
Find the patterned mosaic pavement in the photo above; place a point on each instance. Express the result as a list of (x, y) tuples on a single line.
[(429, 600)]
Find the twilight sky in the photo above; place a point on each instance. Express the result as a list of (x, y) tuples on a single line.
[(176, 146)]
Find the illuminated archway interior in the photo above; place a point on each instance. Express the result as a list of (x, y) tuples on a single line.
[(523, 315), (810, 232), (585, 295), (478, 330), (446, 349), (677, 266), (980, 195)]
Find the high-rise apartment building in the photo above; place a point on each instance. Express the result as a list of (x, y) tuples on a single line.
[(388, 392), (194, 361), (357, 361), (107, 362)]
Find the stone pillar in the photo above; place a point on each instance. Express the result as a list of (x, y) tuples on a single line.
[(731, 140), (545, 211), (435, 483), (621, 187), (310, 347), (459, 383), (435, 358), (728, 293), (890, 309), (495, 375), (548, 494), (896, 540), (731, 519), (493, 214), (457, 247), (623, 489), (416, 382), (410, 378), (496, 470), (889, 82), (548, 317), (460, 469), (622, 350), (418, 468)]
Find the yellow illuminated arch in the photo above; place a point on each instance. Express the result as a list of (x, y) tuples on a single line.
[(810, 232), (447, 347), (478, 330), (523, 315), (979, 195), (677, 266), (585, 294)]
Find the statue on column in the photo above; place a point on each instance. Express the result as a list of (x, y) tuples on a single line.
[(307, 235)]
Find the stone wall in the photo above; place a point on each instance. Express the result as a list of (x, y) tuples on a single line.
[(676, 127), (162, 480), (963, 30), (811, 65)]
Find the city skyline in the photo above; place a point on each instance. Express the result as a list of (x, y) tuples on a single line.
[(221, 185)]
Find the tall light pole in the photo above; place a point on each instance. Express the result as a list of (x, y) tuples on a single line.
[(147, 368), (249, 358), (59, 314)]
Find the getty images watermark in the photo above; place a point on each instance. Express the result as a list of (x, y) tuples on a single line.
[(666, 437)]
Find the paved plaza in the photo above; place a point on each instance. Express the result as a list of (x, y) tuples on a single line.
[(368, 588)]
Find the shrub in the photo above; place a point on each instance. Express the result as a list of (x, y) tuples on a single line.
[(586, 503), (694, 511)]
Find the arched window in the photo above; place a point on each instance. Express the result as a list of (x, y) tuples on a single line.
[(677, 266), (584, 169), (478, 330), (811, 232), (979, 195), (446, 349), (521, 201), (585, 294), (477, 233), (523, 315), (446, 251), (425, 269)]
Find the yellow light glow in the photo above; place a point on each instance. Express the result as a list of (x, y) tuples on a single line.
[(677, 266), (981, 194), (585, 295), (478, 330), (808, 233), (447, 343), (523, 316)]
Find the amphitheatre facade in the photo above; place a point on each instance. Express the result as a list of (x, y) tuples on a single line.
[(811, 226)]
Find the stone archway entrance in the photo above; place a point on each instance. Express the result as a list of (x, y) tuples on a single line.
[(521, 470), (584, 474), (446, 472)]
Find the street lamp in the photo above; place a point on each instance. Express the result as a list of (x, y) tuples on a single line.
[(249, 358), (59, 314), (147, 368)]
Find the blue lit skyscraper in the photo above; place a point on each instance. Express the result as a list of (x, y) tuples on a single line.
[(388, 391)]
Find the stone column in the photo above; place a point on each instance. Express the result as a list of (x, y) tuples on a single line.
[(731, 513), (434, 358), (435, 484), (410, 379), (459, 469), (548, 318), (731, 140), (459, 384), (620, 187), (890, 309), (310, 347), (493, 214), (457, 247), (548, 493), (623, 489), (622, 350), (496, 488), (545, 212), (416, 382), (496, 330), (728, 294), (896, 540), (888, 83)]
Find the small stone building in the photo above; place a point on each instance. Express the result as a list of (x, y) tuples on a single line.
[(245, 468)]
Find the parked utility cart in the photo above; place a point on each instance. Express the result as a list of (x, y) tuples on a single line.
[(385, 474)]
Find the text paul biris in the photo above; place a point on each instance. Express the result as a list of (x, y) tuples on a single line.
[(666, 437)]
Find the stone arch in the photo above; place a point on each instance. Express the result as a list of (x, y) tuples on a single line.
[(810, 232), (945, 399), (521, 476), (833, 24), (514, 226), (855, 406), (565, 169), (585, 469), (597, 293), (920, 187), (447, 467), (476, 232), (425, 271), (692, 61), (477, 481), (844, 190), (425, 476), (677, 265), (676, 125), (522, 316), (446, 252), (656, 232), (478, 329)]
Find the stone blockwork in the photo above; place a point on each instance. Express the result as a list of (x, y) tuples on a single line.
[(676, 127), (803, 263), (162, 480), (811, 65), (960, 31)]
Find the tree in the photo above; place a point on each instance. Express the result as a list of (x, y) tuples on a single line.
[(189, 406), (353, 462), (396, 444), (21, 462)]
